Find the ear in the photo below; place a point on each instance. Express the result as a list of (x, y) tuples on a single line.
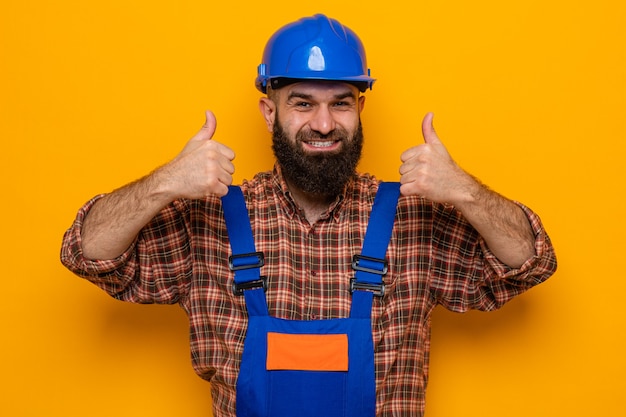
[(361, 103), (268, 111)]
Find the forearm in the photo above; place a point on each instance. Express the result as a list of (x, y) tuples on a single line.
[(114, 221), (429, 171), (501, 223), (204, 167)]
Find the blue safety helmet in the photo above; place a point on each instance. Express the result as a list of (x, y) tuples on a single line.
[(314, 48)]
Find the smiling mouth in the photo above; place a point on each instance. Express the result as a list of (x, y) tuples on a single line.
[(321, 143)]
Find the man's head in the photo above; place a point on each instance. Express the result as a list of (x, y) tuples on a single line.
[(313, 71), (317, 135)]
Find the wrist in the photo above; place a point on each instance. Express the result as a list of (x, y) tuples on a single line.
[(161, 186), (470, 192)]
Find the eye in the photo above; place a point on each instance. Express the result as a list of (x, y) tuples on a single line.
[(343, 104), (301, 104)]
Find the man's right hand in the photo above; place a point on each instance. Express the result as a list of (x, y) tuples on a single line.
[(204, 167)]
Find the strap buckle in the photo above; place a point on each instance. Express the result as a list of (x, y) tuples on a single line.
[(374, 266), (237, 266), (356, 265), (377, 289), (238, 289)]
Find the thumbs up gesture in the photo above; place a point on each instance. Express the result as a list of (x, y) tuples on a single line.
[(203, 167), (428, 170)]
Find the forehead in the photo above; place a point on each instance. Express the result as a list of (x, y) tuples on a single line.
[(319, 89)]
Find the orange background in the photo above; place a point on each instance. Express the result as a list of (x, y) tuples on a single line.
[(528, 95)]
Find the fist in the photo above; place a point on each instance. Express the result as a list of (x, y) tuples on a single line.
[(204, 166), (429, 171)]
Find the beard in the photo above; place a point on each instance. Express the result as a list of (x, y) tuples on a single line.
[(323, 173)]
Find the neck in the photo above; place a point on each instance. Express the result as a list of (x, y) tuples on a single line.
[(313, 205)]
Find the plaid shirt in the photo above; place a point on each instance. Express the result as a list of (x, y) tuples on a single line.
[(435, 257)]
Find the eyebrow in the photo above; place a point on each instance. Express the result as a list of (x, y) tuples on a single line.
[(304, 96)]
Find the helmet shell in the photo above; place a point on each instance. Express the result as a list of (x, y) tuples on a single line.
[(314, 48)]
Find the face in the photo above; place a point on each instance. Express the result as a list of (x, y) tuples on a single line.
[(317, 134)]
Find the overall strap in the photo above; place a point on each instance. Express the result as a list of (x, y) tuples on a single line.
[(371, 265), (245, 261)]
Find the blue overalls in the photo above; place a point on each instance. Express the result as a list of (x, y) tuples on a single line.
[(301, 368)]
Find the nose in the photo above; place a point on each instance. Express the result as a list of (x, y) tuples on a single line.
[(322, 121)]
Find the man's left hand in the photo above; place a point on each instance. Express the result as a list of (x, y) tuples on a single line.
[(428, 170)]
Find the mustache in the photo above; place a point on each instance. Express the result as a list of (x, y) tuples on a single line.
[(338, 134)]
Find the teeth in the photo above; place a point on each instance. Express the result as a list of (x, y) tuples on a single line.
[(324, 144)]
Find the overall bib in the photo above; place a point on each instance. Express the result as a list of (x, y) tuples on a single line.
[(302, 368)]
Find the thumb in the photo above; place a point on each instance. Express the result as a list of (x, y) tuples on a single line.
[(428, 130), (208, 128)]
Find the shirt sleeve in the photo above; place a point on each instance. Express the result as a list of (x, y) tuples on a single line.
[(467, 275), (154, 269)]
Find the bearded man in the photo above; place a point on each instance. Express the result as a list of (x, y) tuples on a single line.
[(455, 243)]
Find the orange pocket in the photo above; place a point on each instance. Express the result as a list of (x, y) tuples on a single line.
[(307, 352)]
